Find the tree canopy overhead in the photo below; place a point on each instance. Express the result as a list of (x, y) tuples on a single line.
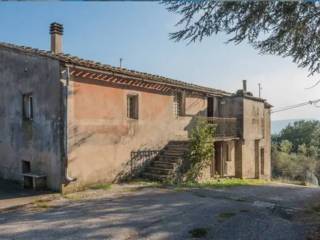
[(285, 28)]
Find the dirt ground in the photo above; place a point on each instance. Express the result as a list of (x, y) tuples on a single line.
[(13, 195), (272, 211)]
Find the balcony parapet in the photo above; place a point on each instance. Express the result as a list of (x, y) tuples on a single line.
[(226, 128)]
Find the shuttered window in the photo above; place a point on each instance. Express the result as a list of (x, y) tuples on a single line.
[(133, 107), (27, 106), (179, 104)]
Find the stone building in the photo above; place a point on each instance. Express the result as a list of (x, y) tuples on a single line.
[(73, 122)]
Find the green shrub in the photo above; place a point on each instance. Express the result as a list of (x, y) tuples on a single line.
[(296, 151), (201, 149)]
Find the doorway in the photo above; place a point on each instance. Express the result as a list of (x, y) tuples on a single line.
[(210, 107)]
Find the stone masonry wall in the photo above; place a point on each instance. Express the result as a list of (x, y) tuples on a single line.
[(36, 141)]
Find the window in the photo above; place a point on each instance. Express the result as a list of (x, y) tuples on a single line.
[(210, 105), (27, 107), (228, 153), (179, 104), (26, 167), (132, 107)]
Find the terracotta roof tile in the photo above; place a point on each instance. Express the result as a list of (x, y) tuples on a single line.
[(69, 59)]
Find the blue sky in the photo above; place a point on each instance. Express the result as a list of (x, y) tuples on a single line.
[(138, 32)]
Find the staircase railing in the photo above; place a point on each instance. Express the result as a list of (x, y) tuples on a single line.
[(140, 159)]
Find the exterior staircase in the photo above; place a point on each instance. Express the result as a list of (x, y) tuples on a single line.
[(167, 165)]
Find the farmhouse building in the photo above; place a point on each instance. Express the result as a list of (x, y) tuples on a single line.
[(67, 122)]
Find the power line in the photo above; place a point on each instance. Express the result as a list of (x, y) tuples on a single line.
[(313, 102)]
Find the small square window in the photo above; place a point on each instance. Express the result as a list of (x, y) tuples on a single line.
[(27, 106), (26, 166), (133, 107)]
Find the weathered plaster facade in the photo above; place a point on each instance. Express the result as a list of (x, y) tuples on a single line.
[(81, 134), (101, 137), (37, 141)]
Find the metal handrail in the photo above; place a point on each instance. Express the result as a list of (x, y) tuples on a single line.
[(140, 158)]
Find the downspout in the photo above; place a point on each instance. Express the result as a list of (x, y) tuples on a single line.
[(67, 178)]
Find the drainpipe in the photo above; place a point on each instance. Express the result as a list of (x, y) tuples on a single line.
[(67, 178)]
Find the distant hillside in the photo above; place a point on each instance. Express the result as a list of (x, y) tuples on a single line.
[(278, 125)]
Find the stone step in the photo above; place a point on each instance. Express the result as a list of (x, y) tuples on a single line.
[(171, 159), (163, 167), (182, 147), (165, 164), (158, 170), (179, 142), (176, 149), (178, 145), (153, 176), (172, 156)]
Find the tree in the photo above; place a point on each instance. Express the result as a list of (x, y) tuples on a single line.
[(301, 132), (286, 146), (296, 150), (315, 140), (285, 28)]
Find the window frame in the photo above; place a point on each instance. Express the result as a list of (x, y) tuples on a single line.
[(133, 114), (25, 166), (27, 106), (179, 104)]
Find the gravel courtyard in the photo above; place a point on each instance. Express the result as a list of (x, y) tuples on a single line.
[(273, 211)]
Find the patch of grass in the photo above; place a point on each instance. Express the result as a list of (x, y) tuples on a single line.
[(223, 183), (73, 197), (145, 183), (41, 203), (226, 215), (179, 189), (199, 232), (103, 186)]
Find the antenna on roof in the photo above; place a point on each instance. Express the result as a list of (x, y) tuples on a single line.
[(121, 59), (260, 89)]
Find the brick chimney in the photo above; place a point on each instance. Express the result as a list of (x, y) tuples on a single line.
[(244, 86), (56, 32)]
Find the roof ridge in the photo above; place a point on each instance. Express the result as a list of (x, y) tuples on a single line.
[(68, 58)]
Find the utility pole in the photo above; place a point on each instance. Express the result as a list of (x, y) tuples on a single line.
[(121, 62), (260, 89)]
